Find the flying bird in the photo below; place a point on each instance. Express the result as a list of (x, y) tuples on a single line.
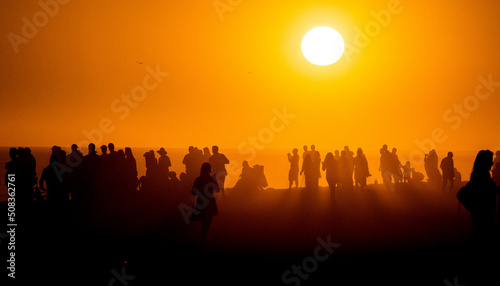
[(139, 62)]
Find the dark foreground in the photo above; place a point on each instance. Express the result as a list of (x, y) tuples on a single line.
[(412, 236)]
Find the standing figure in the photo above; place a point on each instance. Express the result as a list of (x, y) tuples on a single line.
[(481, 200), (55, 192), (316, 158), (293, 174), (385, 165), (308, 171), (130, 170), (431, 168), (496, 170), (331, 166), (350, 165), (205, 205), (448, 169), (218, 161), (163, 165), (361, 171), (395, 166)]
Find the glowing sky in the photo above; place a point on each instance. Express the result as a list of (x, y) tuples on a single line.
[(410, 68)]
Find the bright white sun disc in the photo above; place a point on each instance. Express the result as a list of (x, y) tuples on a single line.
[(322, 46)]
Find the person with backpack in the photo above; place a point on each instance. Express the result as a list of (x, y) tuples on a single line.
[(479, 198)]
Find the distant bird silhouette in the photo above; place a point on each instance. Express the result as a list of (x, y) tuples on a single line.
[(140, 62)]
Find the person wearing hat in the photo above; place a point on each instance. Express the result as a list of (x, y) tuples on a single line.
[(163, 164)]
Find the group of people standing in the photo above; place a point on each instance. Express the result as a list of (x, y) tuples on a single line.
[(339, 168)]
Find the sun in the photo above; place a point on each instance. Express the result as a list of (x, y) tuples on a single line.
[(322, 46)]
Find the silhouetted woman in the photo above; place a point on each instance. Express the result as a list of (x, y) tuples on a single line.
[(361, 171), (483, 208), (308, 171), (431, 168), (55, 193), (204, 202), (317, 167), (331, 166), (293, 173)]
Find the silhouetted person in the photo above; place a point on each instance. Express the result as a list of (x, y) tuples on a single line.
[(163, 164), (309, 172), (337, 155), (91, 171), (448, 169), (55, 192), (496, 169), (331, 166), (482, 200), (361, 171), (151, 164), (92, 161), (76, 182), (345, 171), (350, 164), (407, 172), (431, 168), (385, 165), (316, 158), (293, 173), (189, 162), (395, 168), (458, 176), (205, 205), (218, 161), (12, 166), (130, 170), (306, 152), (206, 154), (56, 150)]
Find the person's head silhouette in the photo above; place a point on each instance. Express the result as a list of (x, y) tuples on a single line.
[(295, 151), (329, 156), (359, 152), (128, 152), (53, 158), (92, 148), (483, 162), (104, 149), (205, 170), (13, 153), (215, 149), (111, 147)]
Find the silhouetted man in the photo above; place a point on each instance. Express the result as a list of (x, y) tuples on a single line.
[(55, 192), (218, 162), (188, 161), (395, 166), (163, 164), (293, 174), (448, 169)]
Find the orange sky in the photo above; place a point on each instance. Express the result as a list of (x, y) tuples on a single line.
[(225, 77)]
